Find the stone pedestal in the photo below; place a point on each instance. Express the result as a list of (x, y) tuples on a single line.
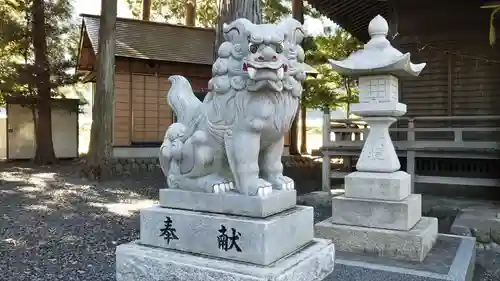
[(389, 228), (135, 262), (202, 236), (410, 245)]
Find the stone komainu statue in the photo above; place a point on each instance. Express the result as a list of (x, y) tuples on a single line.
[(234, 139)]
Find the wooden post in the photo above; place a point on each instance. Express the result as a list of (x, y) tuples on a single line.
[(303, 129), (298, 14), (366, 130), (325, 167), (410, 154), (190, 7), (146, 9), (450, 85)]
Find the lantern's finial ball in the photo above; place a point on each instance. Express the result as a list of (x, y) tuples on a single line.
[(378, 26)]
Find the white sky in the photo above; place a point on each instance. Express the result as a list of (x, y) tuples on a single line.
[(313, 26)]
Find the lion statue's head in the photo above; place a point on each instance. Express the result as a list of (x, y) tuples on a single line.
[(260, 57)]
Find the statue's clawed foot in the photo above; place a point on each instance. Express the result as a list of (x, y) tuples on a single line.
[(281, 182), (260, 188), (223, 187)]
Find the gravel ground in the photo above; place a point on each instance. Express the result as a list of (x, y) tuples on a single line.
[(56, 226), (59, 227)]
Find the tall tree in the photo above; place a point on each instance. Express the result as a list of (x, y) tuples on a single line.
[(101, 132), (298, 14), (37, 47), (190, 8), (146, 9), (43, 120)]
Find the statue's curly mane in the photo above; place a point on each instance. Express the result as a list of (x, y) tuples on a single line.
[(227, 99)]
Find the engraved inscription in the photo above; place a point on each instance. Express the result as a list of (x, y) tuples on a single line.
[(168, 232), (377, 150), (228, 242)]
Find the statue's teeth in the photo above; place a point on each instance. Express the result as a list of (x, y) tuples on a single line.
[(251, 72), (281, 73)]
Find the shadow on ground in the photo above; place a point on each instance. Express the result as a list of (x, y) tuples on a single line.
[(56, 226)]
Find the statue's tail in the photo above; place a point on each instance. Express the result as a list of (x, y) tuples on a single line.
[(181, 98)]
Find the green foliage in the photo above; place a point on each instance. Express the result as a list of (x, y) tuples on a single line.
[(206, 10), (17, 68), (493, 36), (328, 88), (173, 11)]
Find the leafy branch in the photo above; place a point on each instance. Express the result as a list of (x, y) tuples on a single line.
[(328, 88)]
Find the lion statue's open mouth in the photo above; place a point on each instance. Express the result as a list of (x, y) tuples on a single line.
[(265, 74)]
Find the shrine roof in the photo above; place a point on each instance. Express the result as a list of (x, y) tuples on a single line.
[(353, 15), (155, 41)]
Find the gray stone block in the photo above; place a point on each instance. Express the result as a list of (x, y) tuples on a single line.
[(410, 245), (260, 240), (483, 225), (135, 262), (231, 203), (397, 215), (451, 259), (382, 186)]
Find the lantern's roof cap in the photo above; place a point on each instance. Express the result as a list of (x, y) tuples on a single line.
[(378, 56)]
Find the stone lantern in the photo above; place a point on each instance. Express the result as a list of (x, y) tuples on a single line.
[(378, 67), (378, 220), (378, 213)]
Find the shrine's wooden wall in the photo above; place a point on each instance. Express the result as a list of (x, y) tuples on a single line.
[(142, 114), (462, 76)]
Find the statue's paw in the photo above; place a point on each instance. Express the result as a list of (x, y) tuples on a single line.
[(222, 187), (262, 188), (264, 191), (281, 182), (288, 186)]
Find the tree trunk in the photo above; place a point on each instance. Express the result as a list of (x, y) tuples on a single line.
[(146, 9), (303, 130), (42, 117), (101, 134), (190, 7), (230, 10), (298, 14)]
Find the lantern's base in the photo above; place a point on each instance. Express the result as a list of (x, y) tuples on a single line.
[(413, 245), (451, 259)]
